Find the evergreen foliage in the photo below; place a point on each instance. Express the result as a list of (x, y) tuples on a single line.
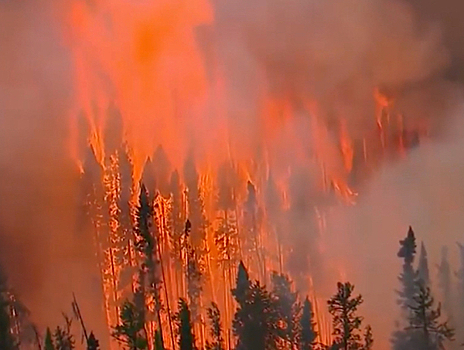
[(427, 332), (217, 340), (307, 326), (186, 339), (343, 307)]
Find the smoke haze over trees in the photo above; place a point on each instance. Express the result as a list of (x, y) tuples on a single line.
[(336, 53)]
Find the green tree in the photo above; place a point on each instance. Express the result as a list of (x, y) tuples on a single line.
[(92, 342), (186, 339), (48, 344), (307, 327), (147, 245), (401, 337), (343, 307), (368, 338), (217, 340), (289, 308), (423, 268), (256, 320), (130, 331), (64, 340), (428, 333)]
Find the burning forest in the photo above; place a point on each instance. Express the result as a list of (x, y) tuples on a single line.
[(220, 175)]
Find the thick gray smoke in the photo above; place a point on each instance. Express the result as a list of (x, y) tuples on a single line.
[(336, 52), (38, 246)]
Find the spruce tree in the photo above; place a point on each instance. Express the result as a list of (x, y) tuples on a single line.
[(64, 340), (217, 340), (186, 339), (147, 246), (92, 342), (289, 308), (256, 320), (407, 278), (400, 337), (423, 268), (428, 333), (368, 339), (343, 307), (307, 327), (130, 331), (48, 343)]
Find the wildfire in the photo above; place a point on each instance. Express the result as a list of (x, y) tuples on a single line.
[(154, 112)]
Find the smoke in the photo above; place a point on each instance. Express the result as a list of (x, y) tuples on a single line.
[(321, 58), (38, 246)]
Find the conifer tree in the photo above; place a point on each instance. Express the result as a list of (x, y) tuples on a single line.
[(92, 342), (307, 327), (64, 340), (186, 339), (130, 331), (368, 339), (343, 307), (48, 343), (400, 337), (423, 268), (407, 278), (256, 321), (289, 309), (217, 340), (147, 245), (428, 333)]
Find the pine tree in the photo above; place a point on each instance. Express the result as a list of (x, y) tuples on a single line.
[(186, 339), (217, 342), (423, 268), (130, 331), (63, 338), (368, 338), (400, 337), (48, 343), (92, 342), (343, 307), (407, 278), (289, 309), (256, 321), (307, 327), (147, 245), (428, 333)]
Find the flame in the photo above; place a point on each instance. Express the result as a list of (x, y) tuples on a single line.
[(142, 88)]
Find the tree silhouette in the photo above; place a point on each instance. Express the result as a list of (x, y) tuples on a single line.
[(343, 307), (130, 331), (217, 342), (289, 309), (48, 343), (64, 340), (368, 338), (423, 268), (256, 320), (186, 339), (428, 333), (307, 327)]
